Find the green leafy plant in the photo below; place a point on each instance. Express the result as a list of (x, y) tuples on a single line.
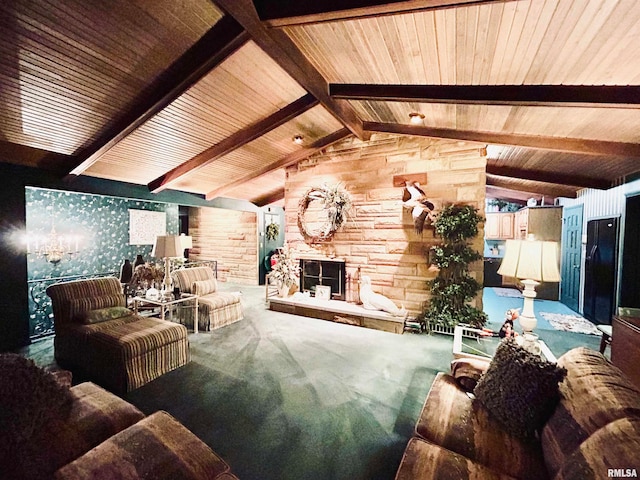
[(453, 288)]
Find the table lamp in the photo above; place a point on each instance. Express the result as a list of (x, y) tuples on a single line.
[(167, 246), (532, 261)]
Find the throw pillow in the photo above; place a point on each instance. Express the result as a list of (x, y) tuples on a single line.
[(203, 287), (520, 389), (31, 400), (79, 306), (104, 314)]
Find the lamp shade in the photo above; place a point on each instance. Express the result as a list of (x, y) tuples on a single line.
[(167, 246), (531, 259), (187, 241)]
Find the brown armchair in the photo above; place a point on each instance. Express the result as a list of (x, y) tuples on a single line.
[(98, 337)]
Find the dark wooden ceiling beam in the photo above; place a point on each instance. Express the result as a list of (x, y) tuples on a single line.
[(233, 142), (277, 13), (558, 144), (547, 189), (287, 161), (222, 40), (269, 198), (612, 96), (550, 177), (283, 51)]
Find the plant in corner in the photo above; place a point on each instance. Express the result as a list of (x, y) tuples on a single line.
[(453, 288)]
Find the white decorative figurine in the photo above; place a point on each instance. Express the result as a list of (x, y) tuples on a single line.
[(375, 301)]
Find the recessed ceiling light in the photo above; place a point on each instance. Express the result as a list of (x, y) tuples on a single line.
[(416, 118), (298, 139)]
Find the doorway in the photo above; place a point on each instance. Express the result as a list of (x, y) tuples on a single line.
[(600, 270), (630, 277), (571, 257)]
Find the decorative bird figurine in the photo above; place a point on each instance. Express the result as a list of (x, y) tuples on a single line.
[(376, 301), (414, 198)]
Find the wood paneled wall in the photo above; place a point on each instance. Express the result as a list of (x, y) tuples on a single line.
[(228, 236), (379, 236)]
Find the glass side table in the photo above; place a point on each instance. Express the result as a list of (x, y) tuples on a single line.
[(166, 305)]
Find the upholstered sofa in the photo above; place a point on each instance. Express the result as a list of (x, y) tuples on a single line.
[(100, 339), (52, 430), (215, 308), (593, 432)]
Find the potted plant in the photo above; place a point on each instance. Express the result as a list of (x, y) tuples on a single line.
[(453, 287), (285, 271)]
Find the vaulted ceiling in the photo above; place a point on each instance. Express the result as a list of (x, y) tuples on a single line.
[(206, 96)]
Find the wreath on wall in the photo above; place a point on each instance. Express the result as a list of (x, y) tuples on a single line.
[(272, 231), (335, 202)]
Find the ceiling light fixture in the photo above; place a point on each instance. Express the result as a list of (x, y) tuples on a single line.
[(298, 139), (416, 118)]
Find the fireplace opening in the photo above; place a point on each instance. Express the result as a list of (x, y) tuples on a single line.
[(331, 273)]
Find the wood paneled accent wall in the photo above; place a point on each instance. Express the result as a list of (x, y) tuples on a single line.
[(379, 236), (228, 236)]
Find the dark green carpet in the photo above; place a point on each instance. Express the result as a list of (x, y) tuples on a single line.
[(285, 397)]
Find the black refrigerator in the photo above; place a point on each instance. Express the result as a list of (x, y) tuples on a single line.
[(600, 270)]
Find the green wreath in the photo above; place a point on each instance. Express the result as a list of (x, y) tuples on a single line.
[(272, 231)]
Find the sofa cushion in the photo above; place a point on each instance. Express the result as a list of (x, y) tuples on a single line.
[(218, 300), (425, 461), (157, 447), (467, 371), (203, 287), (614, 446), (593, 394), (103, 314), (452, 419), (520, 389)]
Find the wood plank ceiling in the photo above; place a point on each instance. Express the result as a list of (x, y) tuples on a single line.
[(205, 96)]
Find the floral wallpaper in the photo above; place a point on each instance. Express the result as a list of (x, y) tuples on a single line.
[(100, 224)]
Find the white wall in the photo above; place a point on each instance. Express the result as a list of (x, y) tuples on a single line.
[(602, 204)]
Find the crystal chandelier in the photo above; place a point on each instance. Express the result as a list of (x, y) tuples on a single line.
[(53, 247)]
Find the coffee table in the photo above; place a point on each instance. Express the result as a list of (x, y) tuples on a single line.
[(167, 305), (469, 342)]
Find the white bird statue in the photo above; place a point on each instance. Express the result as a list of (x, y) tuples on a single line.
[(414, 198), (375, 301)]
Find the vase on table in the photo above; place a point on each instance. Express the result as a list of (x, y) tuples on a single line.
[(283, 290)]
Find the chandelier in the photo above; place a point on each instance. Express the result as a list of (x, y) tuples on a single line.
[(53, 247)]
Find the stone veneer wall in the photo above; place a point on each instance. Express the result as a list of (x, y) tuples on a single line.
[(379, 235), (228, 236)]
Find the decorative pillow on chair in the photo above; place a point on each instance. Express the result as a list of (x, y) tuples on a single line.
[(79, 306), (520, 389), (202, 287), (467, 372), (104, 314)]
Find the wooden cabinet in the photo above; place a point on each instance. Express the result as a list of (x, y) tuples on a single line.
[(624, 346), (499, 226)]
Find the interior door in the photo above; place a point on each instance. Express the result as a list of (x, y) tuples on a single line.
[(600, 270), (571, 257), (630, 277)]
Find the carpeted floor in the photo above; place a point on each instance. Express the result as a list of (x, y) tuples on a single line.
[(285, 397)]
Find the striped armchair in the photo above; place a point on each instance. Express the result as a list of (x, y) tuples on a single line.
[(99, 338), (215, 308)]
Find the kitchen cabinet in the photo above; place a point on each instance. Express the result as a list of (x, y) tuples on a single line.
[(499, 226)]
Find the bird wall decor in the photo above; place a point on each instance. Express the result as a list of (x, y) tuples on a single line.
[(415, 199)]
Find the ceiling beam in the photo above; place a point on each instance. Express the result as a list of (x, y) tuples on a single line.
[(233, 142), (611, 96), (547, 189), (558, 144), (269, 198), (287, 161), (222, 40), (550, 177), (277, 13), (285, 53)]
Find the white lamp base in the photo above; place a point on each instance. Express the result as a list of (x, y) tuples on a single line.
[(527, 318)]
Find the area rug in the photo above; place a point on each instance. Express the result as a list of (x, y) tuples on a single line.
[(507, 292), (570, 323)]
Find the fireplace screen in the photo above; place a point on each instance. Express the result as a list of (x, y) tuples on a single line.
[(323, 272)]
